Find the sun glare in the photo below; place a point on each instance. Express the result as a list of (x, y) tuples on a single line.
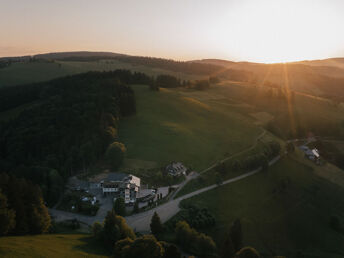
[(283, 31)]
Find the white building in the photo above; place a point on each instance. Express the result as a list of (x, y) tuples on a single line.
[(176, 169), (121, 185)]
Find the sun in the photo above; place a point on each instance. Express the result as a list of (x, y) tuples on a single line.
[(283, 31)]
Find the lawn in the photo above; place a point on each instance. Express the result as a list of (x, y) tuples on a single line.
[(282, 211), (52, 245), (185, 125)]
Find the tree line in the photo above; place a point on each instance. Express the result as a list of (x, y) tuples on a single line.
[(22, 210)]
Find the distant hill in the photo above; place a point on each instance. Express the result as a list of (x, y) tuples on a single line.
[(80, 54), (323, 78), (320, 77)]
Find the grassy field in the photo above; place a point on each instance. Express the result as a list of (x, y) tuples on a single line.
[(283, 211), (208, 178), (185, 125), (21, 73), (54, 245)]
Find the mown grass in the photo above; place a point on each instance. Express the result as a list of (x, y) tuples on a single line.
[(284, 211), (184, 125), (51, 245)]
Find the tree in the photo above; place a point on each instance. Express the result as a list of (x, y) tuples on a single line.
[(116, 228), (228, 250), (155, 225), (236, 234), (136, 207), (247, 252), (97, 230), (171, 251), (193, 241), (7, 216), (115, 154), (119, 207)]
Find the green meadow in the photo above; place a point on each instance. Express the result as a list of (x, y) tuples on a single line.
[(51, 245), (284, 211), (185, 125)]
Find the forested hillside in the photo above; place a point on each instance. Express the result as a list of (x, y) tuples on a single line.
[(66, 125)]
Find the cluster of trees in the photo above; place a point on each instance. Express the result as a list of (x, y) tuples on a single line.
[(270, 151), (167, 64), (22, 210), (124, 243), (192, 241), (73, 199), (170, 81), (198, 218), (121, 239), (67, 124), (145, 246)]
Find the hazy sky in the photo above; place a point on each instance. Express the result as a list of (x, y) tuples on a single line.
[(253, 30)]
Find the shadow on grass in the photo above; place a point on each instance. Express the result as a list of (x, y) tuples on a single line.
[(92, 246)]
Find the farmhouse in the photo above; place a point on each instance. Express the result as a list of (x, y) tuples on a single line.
[(176, 169), (121, 185), (312, 154)]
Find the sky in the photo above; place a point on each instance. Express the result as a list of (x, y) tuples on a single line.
[(239, 30)]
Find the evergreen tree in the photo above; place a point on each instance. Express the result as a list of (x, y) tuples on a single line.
[(119, 207), (155, 225), (228, 250), (236, 235), (136, 207)]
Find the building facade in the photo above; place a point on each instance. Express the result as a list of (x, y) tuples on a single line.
[(121, 185)]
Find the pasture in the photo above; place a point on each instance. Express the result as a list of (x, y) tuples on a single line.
[(185, 125), (284, 211), (51, 245)]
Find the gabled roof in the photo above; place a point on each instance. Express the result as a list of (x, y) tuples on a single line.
[(116, 177)]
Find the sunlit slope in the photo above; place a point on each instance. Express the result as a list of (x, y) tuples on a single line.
[(50, 245), (321, 78), (284, 210), (197, 128)]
